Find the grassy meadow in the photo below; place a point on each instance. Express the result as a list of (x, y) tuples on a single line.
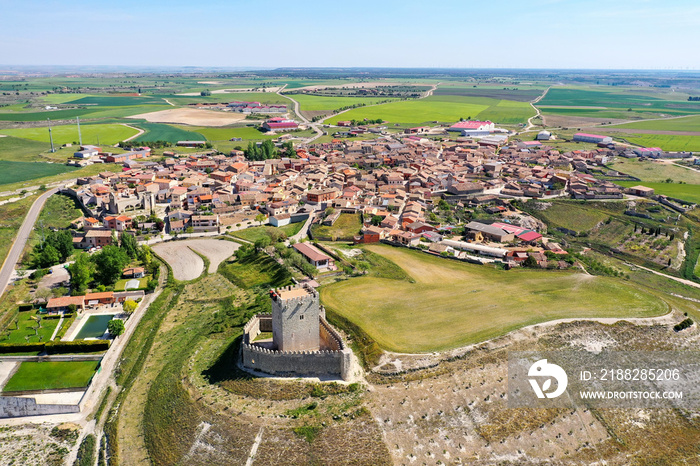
[(23, 171), (51, 375), (21, 150), (347, 226), (452, 304), (655, 171), (66, 134)]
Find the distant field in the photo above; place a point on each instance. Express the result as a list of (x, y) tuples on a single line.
[(164, 132), (669, 142), (119, 101), (52, 114), (687, 192), (445, 108), (227, 132), (51, 375), (106, 134), (619, 98), (309, 103), (655, 171), (21, 150), (11, 172), (690, 123), (453, 304), (255, 233), (263, 97), (519, 95)]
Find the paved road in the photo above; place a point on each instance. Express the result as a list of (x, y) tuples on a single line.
[(21, 239), (314, 126)]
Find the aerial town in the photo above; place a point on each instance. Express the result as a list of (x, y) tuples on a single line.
[(368, 234)]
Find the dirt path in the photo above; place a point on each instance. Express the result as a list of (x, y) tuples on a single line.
[(537, 114), (140, 132), (679, 280)]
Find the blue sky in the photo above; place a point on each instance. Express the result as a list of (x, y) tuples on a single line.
[(636, 34)]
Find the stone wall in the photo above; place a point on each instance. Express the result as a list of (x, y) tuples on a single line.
[(11, 406), (297, 363)]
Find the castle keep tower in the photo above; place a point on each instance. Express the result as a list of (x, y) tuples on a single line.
[(295, 319), (303, 344)]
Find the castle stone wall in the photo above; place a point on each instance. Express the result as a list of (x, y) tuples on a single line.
[(297, 363)]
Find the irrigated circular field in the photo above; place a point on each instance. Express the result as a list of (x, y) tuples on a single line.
[(186, 264)]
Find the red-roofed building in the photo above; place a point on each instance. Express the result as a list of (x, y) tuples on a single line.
[(280, 124), (472, 128), (317, 258)]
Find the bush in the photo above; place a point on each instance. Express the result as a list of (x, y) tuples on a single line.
[(683, 325), (86, 452), (21, 347), (76, 346)]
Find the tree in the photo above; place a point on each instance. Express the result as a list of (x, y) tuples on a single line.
[(376, 220), (262, 243), (260, 218), (46, 256), (62, 240), (129, 306), (128, 243), (115, 327), (109, 264), (81, 272), (530, 262)]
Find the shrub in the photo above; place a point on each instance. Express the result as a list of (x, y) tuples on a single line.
[(76, 346), (683, 325)]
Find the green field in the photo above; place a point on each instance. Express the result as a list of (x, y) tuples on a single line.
[(21, 150), (517, 93), (452, 304), (444, 109), (51, 375), (690, 123), (655, 171), (687, 192), (163, 132), (11, 172), (63, 134), (310, 103), (119, 101), (619, 98), (227, 132), (344, 229), (668, 142), (42, 116), (26, 333)]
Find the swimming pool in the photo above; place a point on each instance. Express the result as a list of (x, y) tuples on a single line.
[(94, 327)]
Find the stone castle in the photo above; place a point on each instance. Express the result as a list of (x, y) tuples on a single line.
[(302, 343)]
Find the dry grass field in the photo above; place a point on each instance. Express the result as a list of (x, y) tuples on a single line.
[(453, 304)]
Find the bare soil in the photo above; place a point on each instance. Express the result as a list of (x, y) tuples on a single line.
[(191, 116)]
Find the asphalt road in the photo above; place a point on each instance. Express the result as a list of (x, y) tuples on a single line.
[(21, 239)]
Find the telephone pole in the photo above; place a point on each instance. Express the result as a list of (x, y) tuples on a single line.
[(80, 137), (50, 135)]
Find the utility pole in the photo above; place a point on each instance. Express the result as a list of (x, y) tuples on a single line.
[(50, 135), (80, 137)]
